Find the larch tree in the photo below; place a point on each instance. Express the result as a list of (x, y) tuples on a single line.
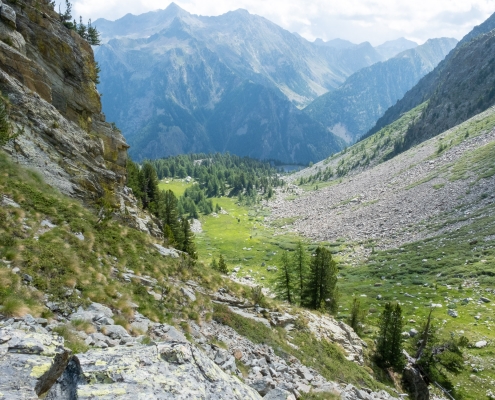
[(389, 343), (321, 290), (300, 261), (285, 279)]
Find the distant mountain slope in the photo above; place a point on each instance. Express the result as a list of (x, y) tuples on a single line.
[(391, 48), (458, 88), (351, 110), (254, 121), (253, 47), (336, 43), (436, 187), (164, 74)]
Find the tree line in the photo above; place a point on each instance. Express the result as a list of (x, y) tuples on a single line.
[(164, 205), (221, 174), (87, 31), (309, 280)]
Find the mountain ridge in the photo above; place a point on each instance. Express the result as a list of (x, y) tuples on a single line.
[(432, 82), (352, 109)]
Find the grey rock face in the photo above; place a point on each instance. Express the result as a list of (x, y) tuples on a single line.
[(33, 364)]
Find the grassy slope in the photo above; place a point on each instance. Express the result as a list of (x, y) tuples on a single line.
[(58, 261)]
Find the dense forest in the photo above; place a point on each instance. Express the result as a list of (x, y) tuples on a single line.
[(221, 174)]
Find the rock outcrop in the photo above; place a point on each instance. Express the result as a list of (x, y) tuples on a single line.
[(35, 363), (48, 75)]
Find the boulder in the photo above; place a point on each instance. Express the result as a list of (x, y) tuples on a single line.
[(481, 344), (279, 394), (415, 383), (263, 386), (97, 309), (452, 313), (115, 331), (189, 293)]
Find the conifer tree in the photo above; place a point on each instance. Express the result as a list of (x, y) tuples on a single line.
[(389, 344), (168, 213), (321, 289), (186, 243), (81, 29), (222, 265), (300, 261), (357, 316), (149, 186), (285, 279), (93, 36)]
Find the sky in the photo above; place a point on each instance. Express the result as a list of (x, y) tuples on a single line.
[(375, 21)]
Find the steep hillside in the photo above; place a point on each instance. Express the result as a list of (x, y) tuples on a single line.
[(352, 109), (458, 88), (426, 191)]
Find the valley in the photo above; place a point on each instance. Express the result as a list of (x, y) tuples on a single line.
[(265, 216)]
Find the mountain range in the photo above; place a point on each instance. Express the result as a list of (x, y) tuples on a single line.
[(179, 83), (352, 109)]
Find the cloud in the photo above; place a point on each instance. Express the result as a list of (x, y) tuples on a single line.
[(357, 20)]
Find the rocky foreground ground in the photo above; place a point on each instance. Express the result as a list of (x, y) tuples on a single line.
[(164, 364)]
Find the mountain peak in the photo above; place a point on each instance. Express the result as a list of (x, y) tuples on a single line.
[(391, 48), (173, 7)]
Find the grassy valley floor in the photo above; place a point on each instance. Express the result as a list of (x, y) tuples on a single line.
[(451, 271)]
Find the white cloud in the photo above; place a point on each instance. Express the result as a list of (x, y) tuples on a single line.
[(356, 20)]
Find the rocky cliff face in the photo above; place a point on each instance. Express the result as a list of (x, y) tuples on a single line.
[(47, 76)]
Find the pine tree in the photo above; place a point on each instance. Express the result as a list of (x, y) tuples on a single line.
[(169, 215), (389, 344), (357, 316), (186, 243), (81, 29), (93, 36), (222, 265), (66, 16), (300, 261), (321, 290), (149, 186), (285, 279)]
